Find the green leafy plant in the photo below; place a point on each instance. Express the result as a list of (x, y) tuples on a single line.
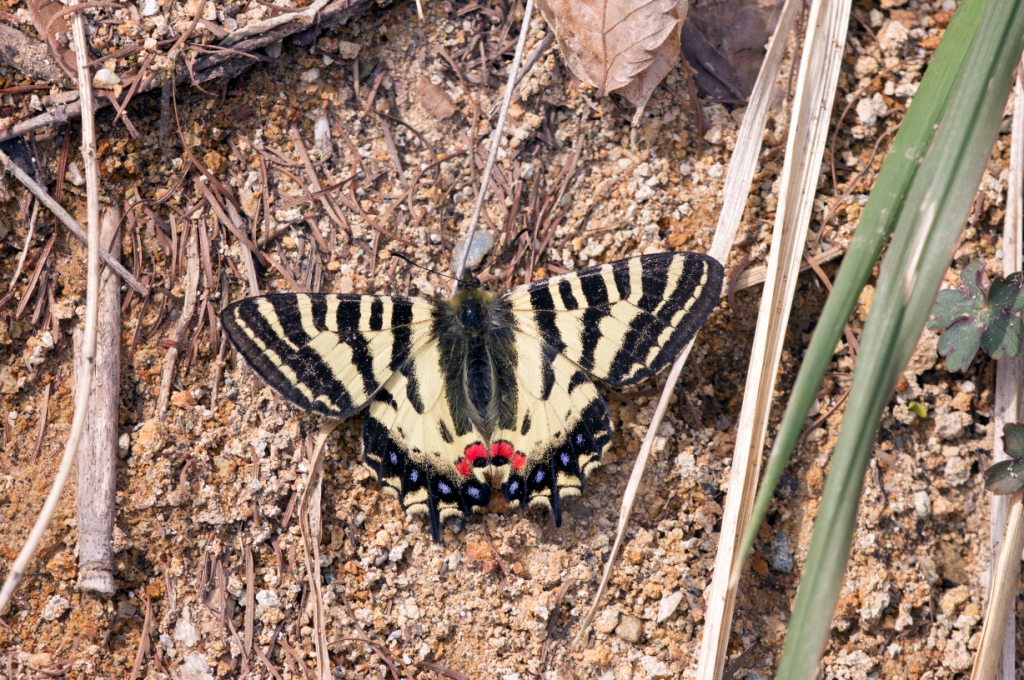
[(1007, 476), (971, 317)]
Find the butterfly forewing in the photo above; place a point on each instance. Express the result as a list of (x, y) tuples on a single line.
[(327, 353), (622, 321)]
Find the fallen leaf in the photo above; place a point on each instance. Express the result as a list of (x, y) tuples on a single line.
[(617, 45), (434, 100)]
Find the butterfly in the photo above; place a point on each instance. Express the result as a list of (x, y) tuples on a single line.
[(482, 386)]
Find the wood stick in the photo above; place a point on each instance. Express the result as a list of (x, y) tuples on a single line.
[(69, 221), (191, 289), (97, 456), (18, 568)]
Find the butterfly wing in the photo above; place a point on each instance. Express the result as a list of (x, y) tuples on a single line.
[(327, 353), (418, 451), (621, 322), (561, 429), (626, 320)]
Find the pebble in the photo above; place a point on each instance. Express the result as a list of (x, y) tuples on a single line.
[(948, 425), (348, 50), (55, 608), (483, 241), (782, 556), (922, 504), (185, 631), (194, 667), (150, 8), (655, 668), (105, 78), (668, 605), (629, 629), (958, 470), (607, 620)]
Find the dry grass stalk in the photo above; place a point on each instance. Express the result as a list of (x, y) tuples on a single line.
[(485, 181), (755, 275), (1004, 582), (96, 472), (306, 16), (189, 309), (309, 520), (809, 121), (17, 570), (1009, 371), (737, 185)]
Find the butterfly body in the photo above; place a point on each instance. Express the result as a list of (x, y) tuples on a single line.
[(483, 386)]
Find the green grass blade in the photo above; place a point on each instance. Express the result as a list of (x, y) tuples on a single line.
[(926, 235), (876, 224)]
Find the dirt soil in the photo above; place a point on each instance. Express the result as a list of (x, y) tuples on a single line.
[(213, 488)]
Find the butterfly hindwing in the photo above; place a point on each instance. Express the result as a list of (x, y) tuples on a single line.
[(623, 321), (561, 429), (327, 353), (412, 443)]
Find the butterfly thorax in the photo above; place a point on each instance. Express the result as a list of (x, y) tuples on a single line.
[(475, 330)]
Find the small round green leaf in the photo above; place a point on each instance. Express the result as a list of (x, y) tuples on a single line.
[(959, 343), (1013, 440), (1005, 477)]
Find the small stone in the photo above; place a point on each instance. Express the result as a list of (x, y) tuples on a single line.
[(346, 285), (310, 75), (348, 50), (714, 135), (668, 605), (397, 552), (949, 425), (216, 162), (74, 175), (922, 504), (865, 66), (55, 608), (952, 599), (892, 38), (607, 620), (268, 598), (958, 470), (194, 667), (629, 629), (782, 556), (483, 241), (150, 8), (185, 631), (655, 668), (322, 134), (105, 78)]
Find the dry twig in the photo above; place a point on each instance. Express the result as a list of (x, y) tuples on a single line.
[(97, 462), (17, 570), (191, 288), (485, 181)]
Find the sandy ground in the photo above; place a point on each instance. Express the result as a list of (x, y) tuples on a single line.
[(214, 485)]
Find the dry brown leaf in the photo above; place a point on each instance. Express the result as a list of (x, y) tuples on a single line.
[(611, 44), (47, 19), (434, 100), (640, 89)]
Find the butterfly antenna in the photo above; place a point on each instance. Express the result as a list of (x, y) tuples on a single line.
[(426, 269)]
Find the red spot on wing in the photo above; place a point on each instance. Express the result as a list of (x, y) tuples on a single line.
[(502, 450), (463, 468), (518, 461), (475, 452)]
